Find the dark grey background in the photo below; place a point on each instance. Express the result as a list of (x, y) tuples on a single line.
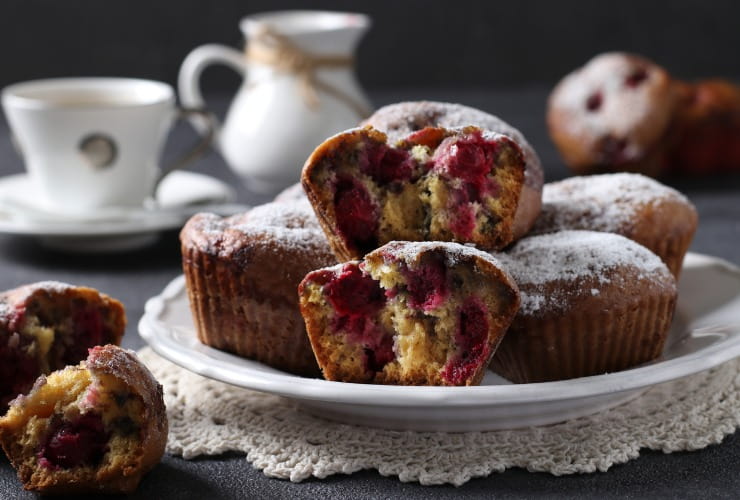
[(412, 43)]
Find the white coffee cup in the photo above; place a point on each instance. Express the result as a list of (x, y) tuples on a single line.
[(93, 142)]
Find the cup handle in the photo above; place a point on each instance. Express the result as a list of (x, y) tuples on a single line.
[(208, 120), (188, 81)]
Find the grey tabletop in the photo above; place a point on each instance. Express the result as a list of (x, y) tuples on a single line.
[(135, 276)]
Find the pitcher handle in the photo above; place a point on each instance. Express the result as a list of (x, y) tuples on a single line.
[(188, 81)]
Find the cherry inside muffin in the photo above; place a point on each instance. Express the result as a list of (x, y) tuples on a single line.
[(410, 313), (82, 441), (437, 184)]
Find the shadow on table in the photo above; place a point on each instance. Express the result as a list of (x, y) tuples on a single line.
[(163, 252), (172, 478)]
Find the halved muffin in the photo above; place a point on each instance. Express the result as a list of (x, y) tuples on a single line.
[(460, 184), (424, 313)]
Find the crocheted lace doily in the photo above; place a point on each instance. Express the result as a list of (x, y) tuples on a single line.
[(209, 418)]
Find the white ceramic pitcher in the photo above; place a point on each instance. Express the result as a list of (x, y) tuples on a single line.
[(299, 88)]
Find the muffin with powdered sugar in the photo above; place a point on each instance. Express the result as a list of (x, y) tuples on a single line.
[(242, 273), (637, 207), (591, 303)]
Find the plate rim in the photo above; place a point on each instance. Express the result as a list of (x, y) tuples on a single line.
[(284, 384)]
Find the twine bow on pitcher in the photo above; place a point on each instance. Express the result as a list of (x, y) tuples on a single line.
[(270, 48)]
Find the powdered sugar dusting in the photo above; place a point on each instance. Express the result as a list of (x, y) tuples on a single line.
[(292, 193), (285, 215), (5, 308), (52, 286), (292, 223), (570, 258), (488, 135), (22, 292), (607, 202), (531, 302), (408, 251), (400, 119)]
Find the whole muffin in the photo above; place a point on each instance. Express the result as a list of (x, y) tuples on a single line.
[(591, 303), (401, 119), (613, 114), (637, 207), (242, 274), (97, 427)]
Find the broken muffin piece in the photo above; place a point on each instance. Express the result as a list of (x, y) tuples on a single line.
[(97, 427), (411, 313), (48, 325), (458, 184)]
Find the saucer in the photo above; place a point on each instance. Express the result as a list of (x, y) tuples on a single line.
[(180, 195)]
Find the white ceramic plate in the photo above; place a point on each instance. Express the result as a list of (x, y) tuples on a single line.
[(705, 333), (179, 196)]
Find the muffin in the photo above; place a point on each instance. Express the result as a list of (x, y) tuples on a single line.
[(242, 273), (402, 119), (705, 133), (591, 303), (411, 313), (613, 114), (641, 209), (97, 427), (438, 184), (47, 325), (623, 112)]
